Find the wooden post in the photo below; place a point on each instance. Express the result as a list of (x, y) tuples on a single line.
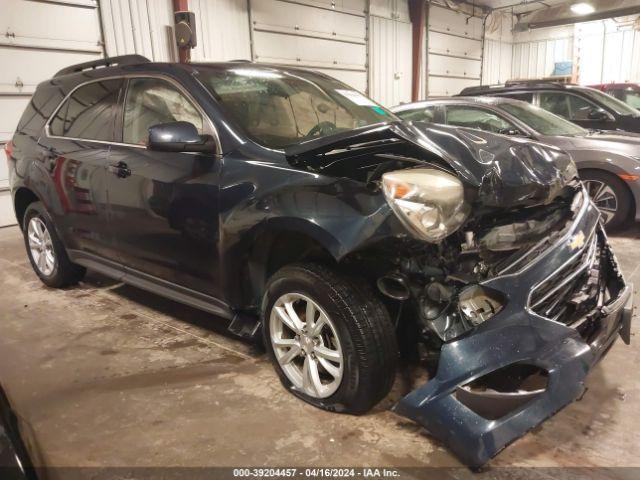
[(417, 13)]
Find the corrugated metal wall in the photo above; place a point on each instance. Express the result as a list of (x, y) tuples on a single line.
[(139, 26), (535, 53), (603, 51), (390, 51), (498, 62), (38, 38), (223, 30), (498, 49), (607, 51)]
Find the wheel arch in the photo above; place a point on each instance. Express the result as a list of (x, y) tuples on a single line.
[(275, 248), (22, 198)]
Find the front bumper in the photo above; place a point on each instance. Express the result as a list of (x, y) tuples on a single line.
[(517, 335)]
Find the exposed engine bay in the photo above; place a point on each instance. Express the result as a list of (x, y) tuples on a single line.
[(494, 229), (440, 283)]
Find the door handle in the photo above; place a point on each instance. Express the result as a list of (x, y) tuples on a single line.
[(120, 169)]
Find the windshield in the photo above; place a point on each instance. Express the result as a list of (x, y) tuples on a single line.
[(279, 108), (612, 103), (542, 121)]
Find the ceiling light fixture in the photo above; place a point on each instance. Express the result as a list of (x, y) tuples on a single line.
[(582, 8)]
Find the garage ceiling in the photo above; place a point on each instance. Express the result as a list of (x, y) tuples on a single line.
[(603, 8), (523, 6)]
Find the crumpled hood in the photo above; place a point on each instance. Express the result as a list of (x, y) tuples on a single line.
[(506, 171), (509, 171)]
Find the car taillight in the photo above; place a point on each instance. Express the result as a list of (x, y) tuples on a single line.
[(8, 149)]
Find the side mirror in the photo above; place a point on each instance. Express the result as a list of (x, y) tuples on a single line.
[(179, 137), (598, 114)]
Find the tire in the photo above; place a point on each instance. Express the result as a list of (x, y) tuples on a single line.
[(357, 326), (604, 189), (57, 271)]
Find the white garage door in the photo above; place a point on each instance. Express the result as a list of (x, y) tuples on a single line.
[(39, 38), (329, 36), (454, 46)]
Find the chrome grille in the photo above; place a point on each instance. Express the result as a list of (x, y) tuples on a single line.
[(558, 296)]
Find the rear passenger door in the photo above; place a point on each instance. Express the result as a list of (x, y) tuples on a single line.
[(76, 145), (164, 205)]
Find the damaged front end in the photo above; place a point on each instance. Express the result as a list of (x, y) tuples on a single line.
[(497, 268), (562, 304)]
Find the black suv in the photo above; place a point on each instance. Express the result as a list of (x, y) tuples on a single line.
[(300, 210), (587, 107)]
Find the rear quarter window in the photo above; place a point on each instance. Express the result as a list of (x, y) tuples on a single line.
[(88, 112), (39, 109)]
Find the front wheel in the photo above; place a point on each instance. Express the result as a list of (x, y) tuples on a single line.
[(329, 338)]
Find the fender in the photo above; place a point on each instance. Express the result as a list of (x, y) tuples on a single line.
[(590, 160)]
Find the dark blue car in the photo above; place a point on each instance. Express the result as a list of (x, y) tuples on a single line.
[(304, 213)]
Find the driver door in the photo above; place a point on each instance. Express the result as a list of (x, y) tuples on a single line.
[(576, 109), (164, 205)]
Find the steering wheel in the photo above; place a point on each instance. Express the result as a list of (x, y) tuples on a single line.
[(322, 128)]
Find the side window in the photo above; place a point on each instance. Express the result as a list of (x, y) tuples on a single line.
[(481, 119), (556, 102), (525, 97), (151, 101), (568, 106), (423, 114), (580, 108), (88, 112)]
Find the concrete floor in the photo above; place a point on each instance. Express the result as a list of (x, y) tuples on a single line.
[(109, 375)]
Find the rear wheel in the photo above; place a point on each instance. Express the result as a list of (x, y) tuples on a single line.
[(45, 250), (611, 196), (329, 338)]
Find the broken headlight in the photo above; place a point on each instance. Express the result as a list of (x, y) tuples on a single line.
[(429, 202), (478, 304)]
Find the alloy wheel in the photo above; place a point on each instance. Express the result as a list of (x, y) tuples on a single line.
[(41, 246), (306, 345), (604, 197)]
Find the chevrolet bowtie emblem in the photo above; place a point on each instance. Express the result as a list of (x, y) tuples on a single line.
[(577, 241)]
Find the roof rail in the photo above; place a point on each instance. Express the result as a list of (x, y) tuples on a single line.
[(478, 89), (104, 62), (553, 82)]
